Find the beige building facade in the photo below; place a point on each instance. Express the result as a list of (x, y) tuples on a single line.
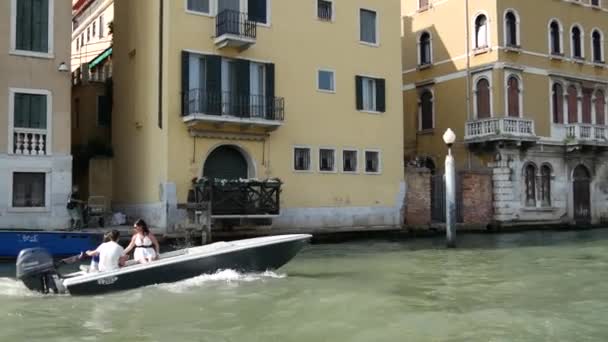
[(35, 160), (524, 85), (237, 91), (91, 34)]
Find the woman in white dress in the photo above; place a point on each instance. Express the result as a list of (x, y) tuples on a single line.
[(145, 244)]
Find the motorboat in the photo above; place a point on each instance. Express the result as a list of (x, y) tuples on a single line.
[(39, 272)]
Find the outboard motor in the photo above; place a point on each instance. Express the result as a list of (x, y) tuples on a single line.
[(36, 269)]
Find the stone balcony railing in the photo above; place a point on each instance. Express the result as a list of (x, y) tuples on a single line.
[(586, 132), (503, 128), (29, 141)]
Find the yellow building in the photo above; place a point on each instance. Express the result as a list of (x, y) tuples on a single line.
[(523, 84), (304, 91), (35, 160)]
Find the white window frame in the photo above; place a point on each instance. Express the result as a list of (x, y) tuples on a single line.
[(335, 164), (379, 172), (552, 83), (561, 36), (488, 32), (418, 47), (377, 43), (13, 47), (519, 77), (310, 158), (333, 80), (419, 94), (602, 50), (47, 191), (582, 30), (357, 163), (333, 11), (488, 76), (517, 28), (49, 116)]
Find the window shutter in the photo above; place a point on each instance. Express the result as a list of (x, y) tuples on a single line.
[(242, 87), (214, 84), (185, 82), (271, 111), (257, 11), (359, 92), (513, 97), (381, 95), (572, 105), (600, 104), (587, 105)]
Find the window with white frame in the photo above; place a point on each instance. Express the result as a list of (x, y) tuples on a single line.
[(101, 27), (511, 29), (33, 25), (423, 5), (597, 45), (325, 80), (426, 115), (514, 96), (200, 6), (372, 162), (327, 160), (29, 190), (576, 42), (368, 26), (595, 3), (349, 160), (555, 38), (301, 159), (94, 32), (370, 94), (30, 116), (481, 32), (483, 99), (325, 10), (425, 49)]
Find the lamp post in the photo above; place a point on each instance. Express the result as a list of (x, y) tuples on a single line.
[(450, 190)]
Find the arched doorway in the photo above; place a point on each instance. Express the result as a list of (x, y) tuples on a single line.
[(225, 162), (581, 184)]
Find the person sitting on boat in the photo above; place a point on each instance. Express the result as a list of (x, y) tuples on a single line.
[(109, 253), (145, 244)]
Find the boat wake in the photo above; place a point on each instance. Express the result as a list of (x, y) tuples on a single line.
[(222, 276), (10, 287)]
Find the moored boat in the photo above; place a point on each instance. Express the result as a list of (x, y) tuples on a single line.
[(38, 271), (57, 243)]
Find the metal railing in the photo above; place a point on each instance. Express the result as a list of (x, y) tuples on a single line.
[(30, 141), (517, 127), (200, 101), (235, 23)]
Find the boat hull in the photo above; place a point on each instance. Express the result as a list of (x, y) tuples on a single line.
[(252, 259), (58, 243)]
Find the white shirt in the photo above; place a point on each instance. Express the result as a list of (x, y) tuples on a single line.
[(109, 255)]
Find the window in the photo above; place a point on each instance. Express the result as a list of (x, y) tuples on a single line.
[(101, 27), (595, 3), (513, 97), (94, 29), (576, 43), (88, 34), (325, 10), (327, 160), (558, 103), (77, 44), (530, 185), (600, 108), (596, 43), (30, 111), (103, 111), (349, 161), (587, 94), (424, 46), (545, 186), (29, 189), (368, 26), (572, 104), (426, 110), (301, 159), (482, 95), (511, 30), (555, 37), (82, 39), (201, 6), (257, 10), (370, 94), (33, 26), (372, 162), (325, 80), (481, 32), (423, 4)]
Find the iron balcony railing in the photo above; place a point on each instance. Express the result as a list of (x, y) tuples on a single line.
[(235, 23), (201, 101)]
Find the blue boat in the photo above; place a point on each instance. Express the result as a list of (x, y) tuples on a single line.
[(58, 243)]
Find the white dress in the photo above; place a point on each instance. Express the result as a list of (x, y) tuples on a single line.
[(143, 248)]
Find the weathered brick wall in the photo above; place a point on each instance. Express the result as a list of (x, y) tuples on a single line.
[(418, 197), (477, 197)]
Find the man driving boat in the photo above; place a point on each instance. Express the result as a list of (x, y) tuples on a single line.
[(109, 252)]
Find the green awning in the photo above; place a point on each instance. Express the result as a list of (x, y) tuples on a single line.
[(100, 58)]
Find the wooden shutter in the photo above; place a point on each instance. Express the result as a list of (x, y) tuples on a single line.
[(558, 104), (214, 84), (600, 108), (426, 103), (185, 82), (572, 105), (513, 97), (483, 99), (381, 95), (257, 10), (271, 109), (359, 92), (587, 105)]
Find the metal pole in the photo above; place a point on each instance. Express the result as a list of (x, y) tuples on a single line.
[(450, 198)]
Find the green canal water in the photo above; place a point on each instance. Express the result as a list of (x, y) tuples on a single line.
[(535, 286)]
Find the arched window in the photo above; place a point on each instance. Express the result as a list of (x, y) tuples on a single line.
[(513, 97), (572, 104), (596, 39), (545, 186), (482, 93), (425, 48), (600, 107), (511, 29), (587, 95), (558, 103), (426, 110), (556, 46), (481, 32), (530, 179), (576, 43)]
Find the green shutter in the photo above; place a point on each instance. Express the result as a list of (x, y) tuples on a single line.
[(32, 25), (214, 84), (185, 82), (270, 90), (359, 92), (381, 95)]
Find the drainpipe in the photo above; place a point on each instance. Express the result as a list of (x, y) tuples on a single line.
[(161, 20), (468, 71)]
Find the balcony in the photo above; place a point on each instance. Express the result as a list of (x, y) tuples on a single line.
[(30, 142), (200, 106), (581, 134), (234, 30), (500, 129)]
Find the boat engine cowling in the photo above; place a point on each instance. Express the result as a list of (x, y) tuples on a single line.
[(36, 269)]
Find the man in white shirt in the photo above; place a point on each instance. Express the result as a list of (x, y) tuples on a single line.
[(109, 252)]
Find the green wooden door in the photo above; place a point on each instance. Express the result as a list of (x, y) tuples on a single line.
[(225, 162)]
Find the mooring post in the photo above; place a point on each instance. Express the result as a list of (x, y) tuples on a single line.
[(450, 190)]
